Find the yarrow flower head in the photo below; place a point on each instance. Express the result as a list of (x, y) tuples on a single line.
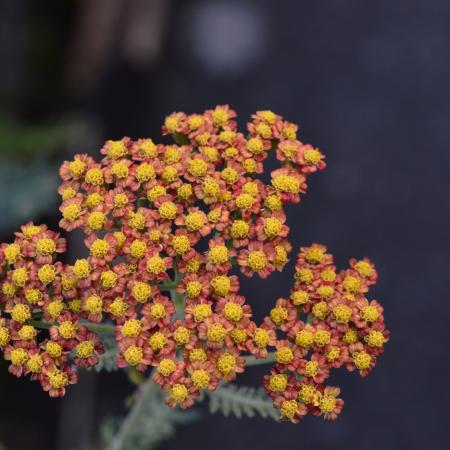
[(164, 224)]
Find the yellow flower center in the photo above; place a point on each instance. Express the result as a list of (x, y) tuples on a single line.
[(193, 289), (333, 354), (108, 279), (131, 328), (227, 136), (257, 260), (168, 210), (197, 168), (94, 200), (261, 338), (233, 311), (361, 360), (238, 335), (156, 265), (19, 356), (311, 368), (181, 335), (229, 175), (218, 254), (145, 172), (21, 313), (53, 349), (81, 268), (94, 304), (148, 149), (33, 296), (312, 157), (322, 338), (85, 349), (77, 168), (166, 367), (343, 313), (181, 244), (118, 307), (364, 269), (35, 363), (299, 297), (20, 277), (155, 192), (220, 117), (226, 363), (320, 310), (264, 130), (94, 177), (47, 274), (99, 248), (304, 276), (136, 221), (198, 354), (67, 329), (325, 291), (306, 393), (157, 341), (27, 332), (278, 315), (120, 200), (157, 311), (195, 221), (286, 183), (133, 355), (289, 408), (328, 275), (284, 355), (351, 284), (370, 314), (375, 339), (304, 338), (239, 229), (12, 253), (200, 378), (201, 312), (141, 291), (179, 392), (4, 336), (138, 249), (211, 187), (350, 337), (216, 332), (221, 285), (185, 191), (119, 170), (117, 149), (278, 382), (55, 308), (255, 145)]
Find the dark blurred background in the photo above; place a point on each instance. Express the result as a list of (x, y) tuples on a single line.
[(368, 82)]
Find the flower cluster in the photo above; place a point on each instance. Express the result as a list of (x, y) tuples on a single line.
[(327, 323), (164, 225)]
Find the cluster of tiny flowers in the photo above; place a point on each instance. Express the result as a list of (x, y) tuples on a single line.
[(327, 322), (164, 226)]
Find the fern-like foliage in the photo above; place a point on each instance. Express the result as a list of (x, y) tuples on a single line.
[(241, 401), (155, 423), (107, 361)]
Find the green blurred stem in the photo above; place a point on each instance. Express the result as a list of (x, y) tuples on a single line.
[(144, 394), (252, 361)]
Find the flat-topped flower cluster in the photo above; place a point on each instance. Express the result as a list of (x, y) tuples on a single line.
[(164, 226)]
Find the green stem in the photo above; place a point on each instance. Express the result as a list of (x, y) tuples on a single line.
[(252, 361), (147, 390)]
